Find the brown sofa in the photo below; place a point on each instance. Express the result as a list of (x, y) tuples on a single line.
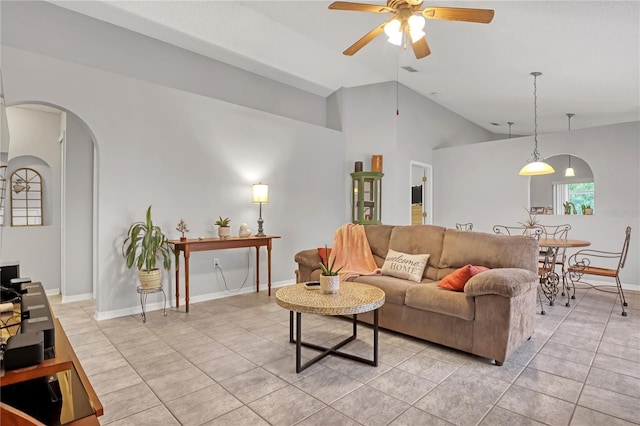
[(492, 317)]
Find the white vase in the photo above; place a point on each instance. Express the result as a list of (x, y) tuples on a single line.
[(224, 231), (329, 283)]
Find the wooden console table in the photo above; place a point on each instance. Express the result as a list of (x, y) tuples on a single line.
[(85, 407), (190, 245)]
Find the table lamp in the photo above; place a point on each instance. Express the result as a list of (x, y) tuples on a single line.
[(260, 195)]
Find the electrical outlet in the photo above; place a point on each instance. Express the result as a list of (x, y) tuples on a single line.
[(216, 262)]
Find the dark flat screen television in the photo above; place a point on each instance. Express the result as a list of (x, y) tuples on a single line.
[(416, 194)]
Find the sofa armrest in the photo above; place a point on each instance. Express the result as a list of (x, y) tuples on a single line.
[(506, 282), (308, 261)]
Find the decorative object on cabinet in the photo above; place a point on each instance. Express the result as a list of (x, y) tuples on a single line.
[(366, 198), (224, 230), (376, 163), (182, 228), (260, 195), (145, 243)]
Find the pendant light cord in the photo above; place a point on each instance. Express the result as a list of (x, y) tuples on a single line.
[(536, 154)]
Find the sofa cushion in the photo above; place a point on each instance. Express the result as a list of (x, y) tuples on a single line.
[(378, 238), (494, 251), (417, 239), (430, 297), (404, 265), (507, 282), (394, 289), (458, 278)]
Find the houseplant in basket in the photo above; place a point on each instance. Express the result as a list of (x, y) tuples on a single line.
[(329, 278), (224, 230), (144, 245)]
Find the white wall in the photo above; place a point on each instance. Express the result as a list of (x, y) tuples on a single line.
[(371, 126), (78, 211), (194, 158), (479, 183), (34, 144)]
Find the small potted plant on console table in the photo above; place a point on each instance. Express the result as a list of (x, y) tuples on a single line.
[(224, 230)]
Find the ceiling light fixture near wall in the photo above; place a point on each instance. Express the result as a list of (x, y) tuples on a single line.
[(536, 166), (510, 123), (569, 172)]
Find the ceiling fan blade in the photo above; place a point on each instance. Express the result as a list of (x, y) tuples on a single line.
[(360, 7), (481, 16), (364, 40), (421, 48)]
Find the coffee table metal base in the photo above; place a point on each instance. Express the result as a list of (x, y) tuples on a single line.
[(334, 349)]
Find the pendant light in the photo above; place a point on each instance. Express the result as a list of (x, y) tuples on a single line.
[(510, 123), (536, 166), (569, 172)]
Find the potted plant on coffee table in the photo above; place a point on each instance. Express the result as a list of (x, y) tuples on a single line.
[(224, 230), (329, 278), (144, 245)]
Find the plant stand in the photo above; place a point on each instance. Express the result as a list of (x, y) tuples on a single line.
[(144, 292)]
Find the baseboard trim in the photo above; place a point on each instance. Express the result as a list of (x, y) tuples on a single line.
[(77, 298), (133, 310)]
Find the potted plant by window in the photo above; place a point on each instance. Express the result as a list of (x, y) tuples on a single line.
[(586, 209), (329, 278), (144, 245), (224, 230)]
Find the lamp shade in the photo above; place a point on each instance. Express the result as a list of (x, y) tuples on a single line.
[(536, 168), (260, 193), (569, 172)]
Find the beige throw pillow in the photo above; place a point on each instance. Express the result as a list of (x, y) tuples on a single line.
[(403, 265)]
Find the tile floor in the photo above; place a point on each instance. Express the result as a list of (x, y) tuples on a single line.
[(229, 362)]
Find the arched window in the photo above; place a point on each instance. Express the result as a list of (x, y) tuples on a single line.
[(26, 198)]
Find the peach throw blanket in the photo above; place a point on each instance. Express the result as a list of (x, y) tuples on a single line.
[(352, 252)]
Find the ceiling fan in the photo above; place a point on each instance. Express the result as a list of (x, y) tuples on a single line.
[(408, 20)]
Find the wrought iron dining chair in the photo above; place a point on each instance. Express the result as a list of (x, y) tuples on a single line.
[(535, 231), (556, 232), (464, 226), (591, 262)]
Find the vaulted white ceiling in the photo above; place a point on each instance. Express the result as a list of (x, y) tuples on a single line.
[(588, 52)]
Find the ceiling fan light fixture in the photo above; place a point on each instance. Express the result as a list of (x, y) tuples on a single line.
[(394, 31), (416, 25)]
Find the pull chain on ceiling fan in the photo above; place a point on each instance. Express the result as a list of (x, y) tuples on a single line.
[(408, 20)]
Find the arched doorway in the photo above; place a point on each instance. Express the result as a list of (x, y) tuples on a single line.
[(59, 252)]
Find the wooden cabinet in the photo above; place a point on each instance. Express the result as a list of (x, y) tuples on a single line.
[(366, 198)]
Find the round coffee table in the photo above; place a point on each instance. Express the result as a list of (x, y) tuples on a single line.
[(351, 299)]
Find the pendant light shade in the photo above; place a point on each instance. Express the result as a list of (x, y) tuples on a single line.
[(569, 172), (536, 166)]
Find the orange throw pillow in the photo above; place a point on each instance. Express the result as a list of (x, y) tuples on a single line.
[(458, 278), (323, 254)]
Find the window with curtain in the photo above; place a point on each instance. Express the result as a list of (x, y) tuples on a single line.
[(26, 198), (580, 194)]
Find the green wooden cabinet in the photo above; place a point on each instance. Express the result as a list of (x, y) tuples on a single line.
[(366, 198)]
